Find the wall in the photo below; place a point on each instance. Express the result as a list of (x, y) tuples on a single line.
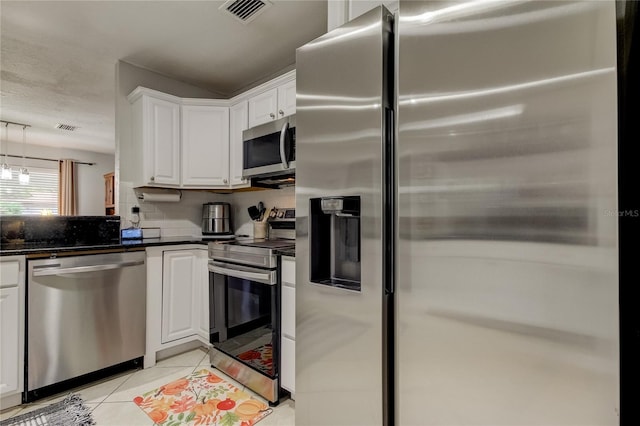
[(340, 12), (184, 217), (240, 202), (128, 77), (90, 178)]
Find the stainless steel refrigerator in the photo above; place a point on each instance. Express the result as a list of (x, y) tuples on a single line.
[(456, 195)]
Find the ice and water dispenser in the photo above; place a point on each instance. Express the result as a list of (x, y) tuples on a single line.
[(335, 241)]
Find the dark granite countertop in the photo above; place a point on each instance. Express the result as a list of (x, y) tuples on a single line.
[(286, 252), (19, 248)]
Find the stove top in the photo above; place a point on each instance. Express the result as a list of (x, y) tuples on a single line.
[(253, 252), (215, 237)]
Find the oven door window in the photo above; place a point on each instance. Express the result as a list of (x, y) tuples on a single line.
[(245, 321), (248, 306)]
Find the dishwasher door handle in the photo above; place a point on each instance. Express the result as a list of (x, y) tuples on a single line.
[(55, 270)]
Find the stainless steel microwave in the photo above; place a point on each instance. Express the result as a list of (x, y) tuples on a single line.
[(269, 150)]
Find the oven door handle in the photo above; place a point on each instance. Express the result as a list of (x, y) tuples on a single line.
[(267, 277)]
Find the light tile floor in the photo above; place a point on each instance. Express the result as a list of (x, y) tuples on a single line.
[(111, 399)]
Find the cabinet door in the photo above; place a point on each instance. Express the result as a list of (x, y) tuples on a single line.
[(288, 311), (161, 141), (263, 107), (180, 305), (288, 361), (205, 146), (238, 121), (288, 332), (9, 349), (203, 296), (288, 318), (287, 99)]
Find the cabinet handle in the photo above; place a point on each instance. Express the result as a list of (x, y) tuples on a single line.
[(272, 115), (224, 181), (152, 178), (281, 112)]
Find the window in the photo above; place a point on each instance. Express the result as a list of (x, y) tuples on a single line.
[(38, 197)]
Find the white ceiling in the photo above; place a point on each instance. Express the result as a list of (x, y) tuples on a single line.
[(58, 58)]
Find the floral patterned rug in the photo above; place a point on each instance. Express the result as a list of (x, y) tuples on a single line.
[(260, 358), (201, 398)]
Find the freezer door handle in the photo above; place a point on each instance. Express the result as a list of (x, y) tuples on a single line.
[(56, 270), (389, 203)]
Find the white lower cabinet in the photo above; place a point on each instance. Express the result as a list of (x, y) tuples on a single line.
[(9, 317), (288, 322), (179, 296), (185, 290), (203, 296), (288, 372), (177, 299), (12, 270)]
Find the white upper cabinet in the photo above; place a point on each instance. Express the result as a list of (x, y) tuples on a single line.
[(287, 99), (205, 146), (238, 122), (263, 107), (159, 130), (197, 143), (272, 104), (184, 142)]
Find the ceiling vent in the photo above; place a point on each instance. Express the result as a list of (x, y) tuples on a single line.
[(245, 11), (68, 127)]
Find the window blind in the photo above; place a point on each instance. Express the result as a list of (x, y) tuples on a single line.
[(39, 196)]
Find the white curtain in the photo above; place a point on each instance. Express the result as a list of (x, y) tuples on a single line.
[(67, 188)]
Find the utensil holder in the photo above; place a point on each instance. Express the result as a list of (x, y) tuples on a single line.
[(259, 229)]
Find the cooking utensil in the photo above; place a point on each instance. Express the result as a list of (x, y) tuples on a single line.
[(254, 213), (261, 210)]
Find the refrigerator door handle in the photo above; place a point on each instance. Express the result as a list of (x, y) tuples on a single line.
[(389, 203)]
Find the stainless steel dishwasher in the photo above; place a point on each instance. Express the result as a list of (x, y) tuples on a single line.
[(84, 313)]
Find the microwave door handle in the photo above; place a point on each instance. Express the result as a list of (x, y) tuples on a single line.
[(283, 136)]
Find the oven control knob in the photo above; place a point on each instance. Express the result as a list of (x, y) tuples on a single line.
[(281, 214), (272, 213)]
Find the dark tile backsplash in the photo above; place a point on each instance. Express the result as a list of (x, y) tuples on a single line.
[(60, 231)]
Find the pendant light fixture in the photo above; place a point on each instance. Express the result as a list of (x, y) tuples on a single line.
[(6, 170), (23, 177)]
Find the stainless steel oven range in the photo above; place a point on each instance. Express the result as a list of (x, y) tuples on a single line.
[(244, 279)]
